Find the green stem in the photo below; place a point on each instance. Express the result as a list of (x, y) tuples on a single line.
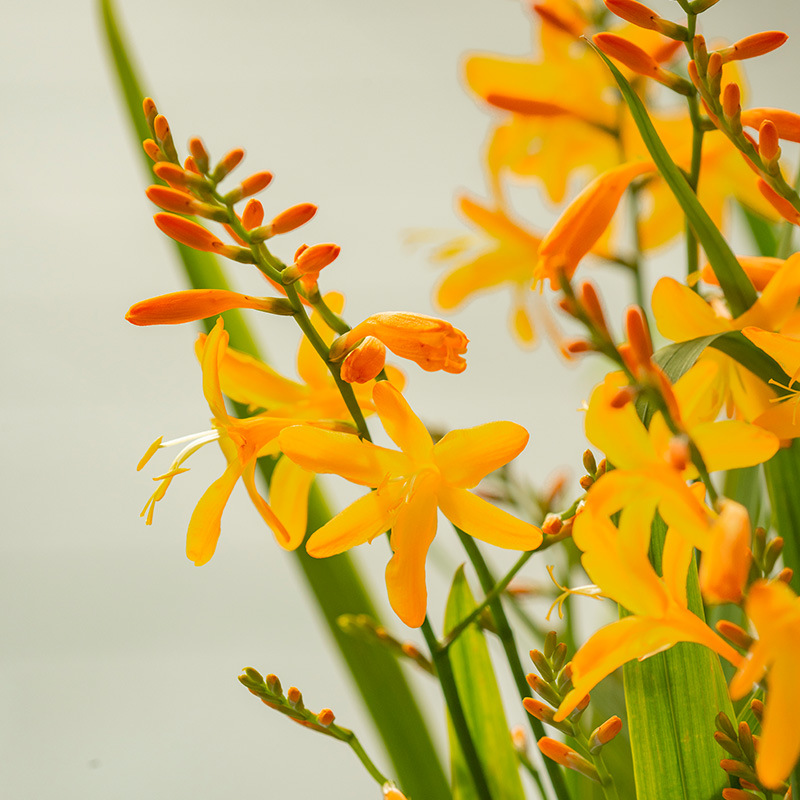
[(356, 747), (692, 264), (506, 635), (606, 779), (444, 672), (533, 772), (331, 318), (495, 592)]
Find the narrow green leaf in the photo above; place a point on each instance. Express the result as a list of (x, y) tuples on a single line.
[(738, 289), (483, 706), (334, 582), (782, 472), (764, 232), (672, 700)]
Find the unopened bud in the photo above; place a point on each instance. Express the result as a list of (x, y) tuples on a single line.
[(227, 164), (638, 334), (757, 707), (589, 463), (274, 685), (179, 178), (150, 113), (779, 203), (564, 680), (552, 525), (746, 742), (541, 663), (738, 769), (700, 54), (785, 575), (253, 674), (757, 44), (735, 634), (729, 745), (724, 724), (731, 100), (290, 219), (544, 690), (602, 467), (576, 346), (768, 143), (567, 757), (252, 185), (391, 792), (187, 232), (586, 482), (316, 257), (591, 304), (519, 739), (295, 698), (164, 137), (199, 153), (325, 717), (153, 150), (559, 656), (604, 733), (544, 713), (773, 551), (253, 214), (699, 6), (739, 794), (645, 17), (550, 642)]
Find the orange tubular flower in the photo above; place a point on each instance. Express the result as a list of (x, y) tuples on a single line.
[(242, 441), (411, 484), (774, 609), (616, 560), (193, 304), (583, 222), (429, 342), (787, 122)]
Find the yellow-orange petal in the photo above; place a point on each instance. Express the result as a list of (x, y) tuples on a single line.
[(412, 533), (731, 444), (467, 456), (583, 222), (486, 522), (204, 526), (269, 516), (784, 349), (179, 307), (360, 522), (676, 559), (779, 299), (787, 122), (404, 427), (252, 382), (288, 495), (341, 454), (213, 351), (365, 362), (681, 314), (726, 562)]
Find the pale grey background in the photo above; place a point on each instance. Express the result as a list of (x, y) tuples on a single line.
[(119, 660)]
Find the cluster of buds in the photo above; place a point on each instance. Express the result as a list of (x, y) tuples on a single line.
[(552, 684), (742, 745), (766, 553), (368, 630), (594, 471), (270, 692)]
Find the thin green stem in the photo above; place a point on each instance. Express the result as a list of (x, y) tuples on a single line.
[(606, 779), (495, 592), (331, 318), (506, 635), (444, 672), (796, 780), (356, 747), (692, 264)]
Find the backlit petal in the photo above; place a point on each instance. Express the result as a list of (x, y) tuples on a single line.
[(201, 539), (403, 426), (288, 494), (486, 522), (468, 455), (731, 444), (267, 513), (681, 314), (214, 349)]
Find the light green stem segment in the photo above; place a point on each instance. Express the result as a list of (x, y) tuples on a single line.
[(334, 582)]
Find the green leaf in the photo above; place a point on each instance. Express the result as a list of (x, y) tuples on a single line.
[(782, 472), (738, 289), (483, 707), (672, 699), (334, 582), (764, 232)]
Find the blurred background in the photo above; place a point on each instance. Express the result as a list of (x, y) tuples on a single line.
[(119, 657)]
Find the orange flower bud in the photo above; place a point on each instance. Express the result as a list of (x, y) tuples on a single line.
[(256, 183), (153, 150), (179, 178), (170, 199), (325, 717), (292, 218), (227, 164), (645, 17), (315, 258), (638, 334), (190, 165), (604, 733), (525, 106), (780, 204), (715, 63), (726, 563), (785, 575), (552, 525), (768, 142), (576, 346), (253, 214), (738, 794), (391, 792), (567, 757), (179, 307), (731, 100), (164, 137), (735, 634), (591, 304), (627, 53), (187, 232), (583, 221), (199, 153), (364, 362), (786, 122), (150, 112), (294, 696), (429, 342), (700, 53), (756, 44)]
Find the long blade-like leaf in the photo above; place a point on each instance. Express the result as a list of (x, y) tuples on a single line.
[(672, 700), (335, 582), (483, 707), (738, 289)]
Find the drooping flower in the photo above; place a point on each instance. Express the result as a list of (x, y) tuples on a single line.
[(242, 441), (411, 484), (429, 342), (616, 559), (774, 609)]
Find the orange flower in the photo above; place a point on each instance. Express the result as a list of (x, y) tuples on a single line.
[(429, 342), (774, 609), (411, 485)]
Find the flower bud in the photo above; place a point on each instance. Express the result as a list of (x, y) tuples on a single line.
[(544, 690), (645, 17), (541, 663), (738, 769), (567, 757), (391, 792), (604, 733), (199, 153), (552, 525), (153, 150), (252, 185), (150, 113), (735, 634), (757, 44), (768, 144), (365, 362), (292, 218), (787, 123), (187, 232), (772, 553), (325, 717), (164, 137), (729, 745), (227, 164), (779, 203), (274, 685), (179, 178), (295, 698), (739, 794), (253, 214), (544, 713)]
